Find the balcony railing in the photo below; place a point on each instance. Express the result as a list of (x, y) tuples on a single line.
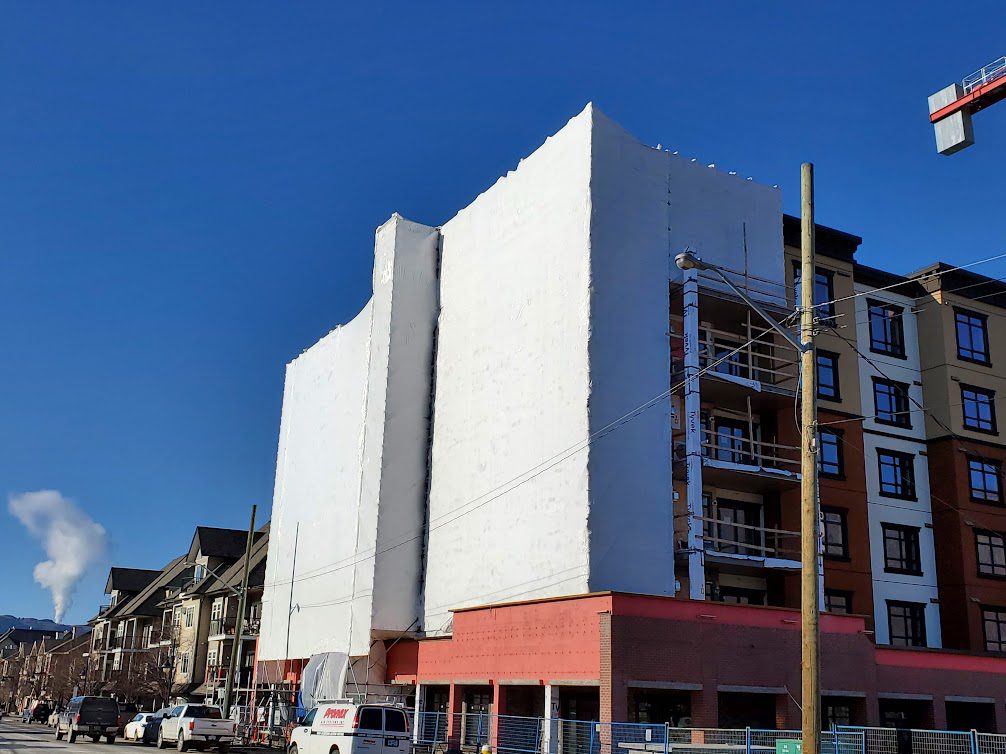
[(732, 448), (730, 538), (222, 626), (733, 355)]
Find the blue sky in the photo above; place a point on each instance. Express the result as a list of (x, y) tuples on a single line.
[(189, 194)]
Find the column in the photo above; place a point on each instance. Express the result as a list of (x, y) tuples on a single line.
[(499, 708), (693, 436), (454, 705), (551, 732), (420, 709)]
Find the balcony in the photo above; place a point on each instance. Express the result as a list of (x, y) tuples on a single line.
[(730, 457), (727, 540), (221, 628)]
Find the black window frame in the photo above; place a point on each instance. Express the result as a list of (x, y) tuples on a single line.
[(899, 398), (893, 342), (839, 464), (989, 469), (827, 280), (842, 524), (831, 357), (998, 617), (978, 392), (906, 462), (908, 539), (995, 541), (915, 618), (972, 320), (843, 594)]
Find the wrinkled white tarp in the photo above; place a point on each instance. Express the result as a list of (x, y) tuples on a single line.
[(324, 678)]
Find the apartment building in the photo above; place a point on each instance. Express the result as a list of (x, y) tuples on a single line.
[(485, 499), (963, 345)]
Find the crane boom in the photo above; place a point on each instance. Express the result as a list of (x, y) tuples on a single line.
[(951, 108)]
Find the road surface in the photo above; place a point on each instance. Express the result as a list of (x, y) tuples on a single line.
[(20, 738)]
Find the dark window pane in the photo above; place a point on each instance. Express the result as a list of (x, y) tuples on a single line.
[(827, 375), (978, 408), (897, 474), (901, 549), (972, 338), (370, 719), (984, 480), (887, 334), (890, 401), (837, 601), (836, 533), (990, 549), (907, 623), (994, 623), (830, 453), (824, 290)]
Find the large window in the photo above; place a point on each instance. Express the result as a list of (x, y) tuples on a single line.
[(733, 442), (979, 408), (829, 453), (901, 549), (972, 336), (824, 289), (733, 526), (985, 480), (890, 403), (836, 533), (897, 474), (838, 601), (190, 613), (907, 623), (994, 624), (827, 376), (887, 329), (990, 549)]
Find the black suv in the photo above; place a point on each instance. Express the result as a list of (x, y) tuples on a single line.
[(93, 716)]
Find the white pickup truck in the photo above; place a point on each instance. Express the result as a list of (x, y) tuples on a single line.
[(197, 725)]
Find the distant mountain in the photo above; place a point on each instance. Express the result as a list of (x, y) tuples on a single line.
[(39, 624)]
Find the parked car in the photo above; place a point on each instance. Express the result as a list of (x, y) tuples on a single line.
[(133, 730), (39, 713), (127, 711), (153, 725), (196, 724), (93, 716), (353, 729)]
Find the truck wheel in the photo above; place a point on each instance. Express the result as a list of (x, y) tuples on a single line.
[(109, 739), (292, 749), (96, 738), (59, 734), (160, 741), (72, 736), (181, 743)]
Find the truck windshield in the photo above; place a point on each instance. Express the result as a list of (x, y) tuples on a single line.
[(199, 711)]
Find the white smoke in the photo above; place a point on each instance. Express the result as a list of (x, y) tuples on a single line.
[(71, 540)]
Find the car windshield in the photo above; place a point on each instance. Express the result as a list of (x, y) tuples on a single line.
[(100, 703), (198, 711)]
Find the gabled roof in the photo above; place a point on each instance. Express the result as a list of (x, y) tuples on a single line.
[(21, 635), (129, 579), (145, 603), (233, 575), (218, 543)]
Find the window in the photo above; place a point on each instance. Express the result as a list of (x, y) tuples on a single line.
[(984, 480), (117, 661), (370, 719), (733, 526), (829, 453), (887, 329), (148, 635), (907, 623), (731, 358), (836, 532), (897, 474), (901, 549), (837, 601), (733, 444), (309, 718), (972, 336), (990, 549), (211, 658), (217, 610), (189, 615), (827, 375), (824, 289), (394, 721), (176, 618), (183, 663), (979, 408), (890, 403), (994, 623)]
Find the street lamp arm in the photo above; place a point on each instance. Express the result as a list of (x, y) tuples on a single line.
[(687, 260)]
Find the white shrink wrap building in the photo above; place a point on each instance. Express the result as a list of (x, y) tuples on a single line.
[(537, 318)]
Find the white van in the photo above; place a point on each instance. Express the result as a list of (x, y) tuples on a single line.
[(348, 728)]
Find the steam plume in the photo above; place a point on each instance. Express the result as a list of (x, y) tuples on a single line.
[(71, 540)]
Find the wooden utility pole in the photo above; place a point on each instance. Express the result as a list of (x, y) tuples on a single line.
[(239, 621), (810, 634)]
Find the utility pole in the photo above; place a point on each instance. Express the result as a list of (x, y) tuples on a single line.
[(810, 634), (238, 623)]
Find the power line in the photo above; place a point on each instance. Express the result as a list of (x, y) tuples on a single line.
[(517, 481)]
